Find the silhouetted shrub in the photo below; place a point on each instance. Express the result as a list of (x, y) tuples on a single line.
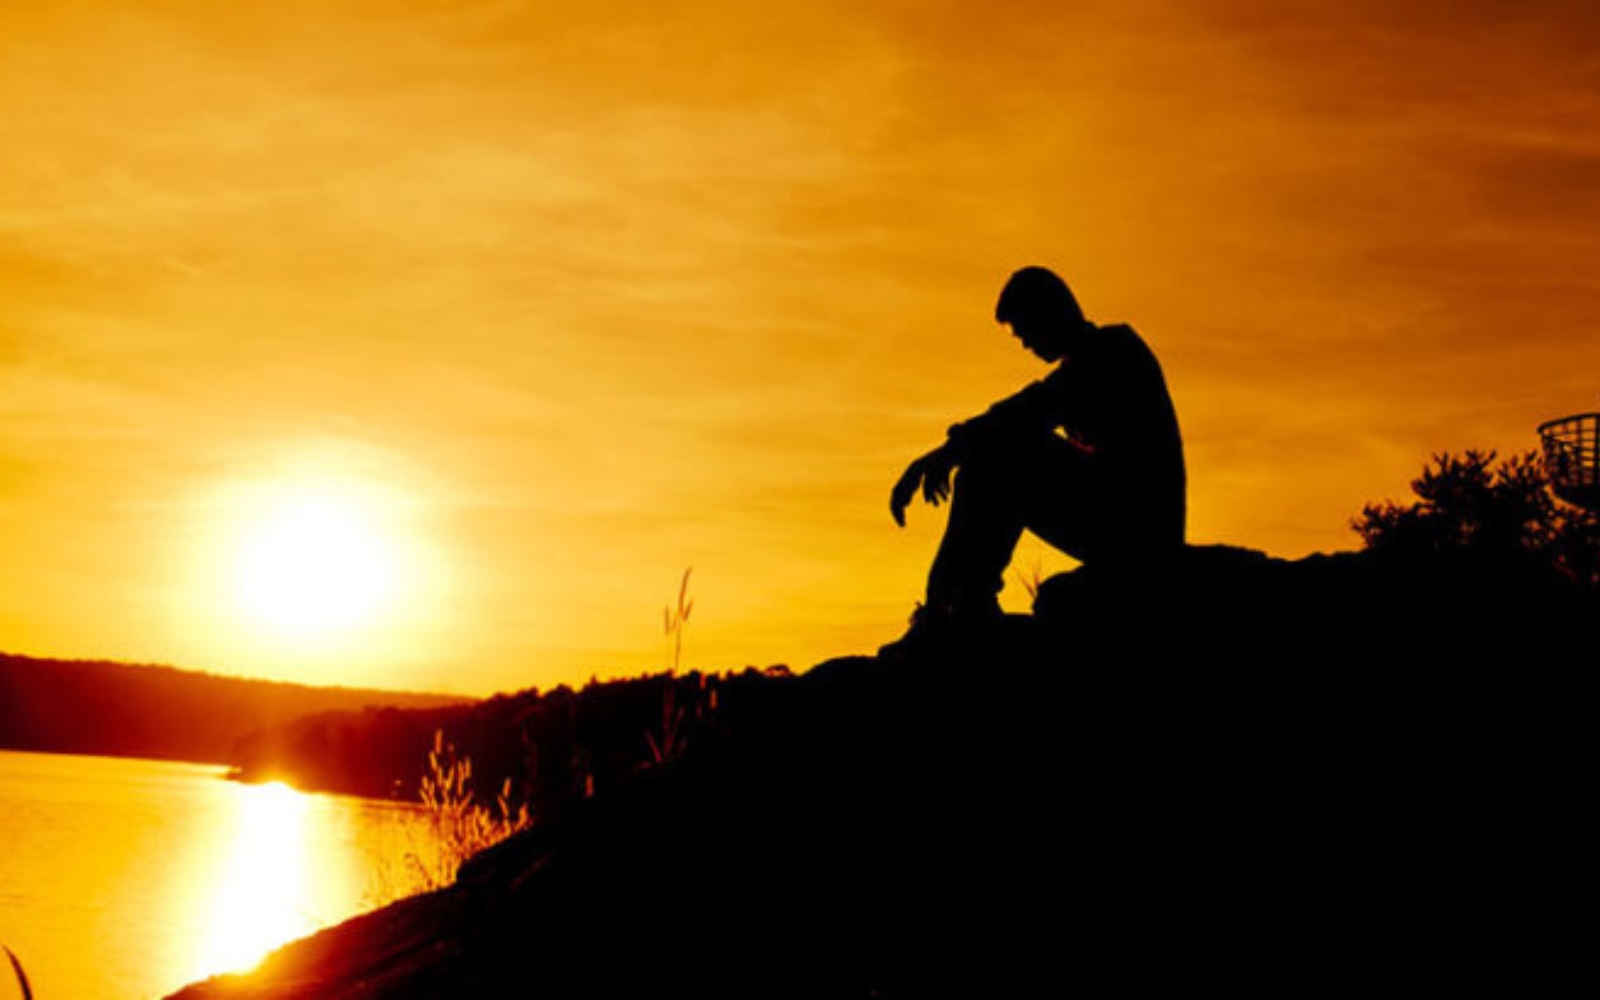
[(1472, 508)]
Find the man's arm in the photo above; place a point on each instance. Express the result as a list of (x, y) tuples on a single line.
[(1034, 408), (1037, 407)]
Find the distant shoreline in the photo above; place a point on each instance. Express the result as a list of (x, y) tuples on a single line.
[(109, 709)]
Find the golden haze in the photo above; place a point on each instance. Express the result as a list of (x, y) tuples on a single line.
[(565, 300)]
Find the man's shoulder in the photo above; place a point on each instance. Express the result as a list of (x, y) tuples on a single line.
[(1119, 332), (1122, 340), (1125, 355)]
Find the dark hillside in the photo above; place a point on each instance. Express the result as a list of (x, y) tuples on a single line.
[(1258, 775)]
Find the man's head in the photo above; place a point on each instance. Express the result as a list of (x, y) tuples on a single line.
[(1041, 311)]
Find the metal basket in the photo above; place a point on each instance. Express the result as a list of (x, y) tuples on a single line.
[(1572, 458)]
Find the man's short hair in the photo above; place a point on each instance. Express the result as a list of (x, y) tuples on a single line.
[(1037, 291)]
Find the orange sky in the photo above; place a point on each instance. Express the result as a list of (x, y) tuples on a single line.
[(567, 298)]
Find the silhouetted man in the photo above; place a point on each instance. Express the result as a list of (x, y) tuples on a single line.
[(1089, 459)]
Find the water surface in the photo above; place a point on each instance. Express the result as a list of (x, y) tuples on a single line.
[(125, 879)]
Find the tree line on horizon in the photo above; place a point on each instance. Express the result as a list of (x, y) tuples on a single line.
[(159, 712)]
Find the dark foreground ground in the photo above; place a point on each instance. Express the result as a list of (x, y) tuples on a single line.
[(1246, 774)]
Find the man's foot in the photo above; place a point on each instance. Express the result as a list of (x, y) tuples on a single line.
[(936, 627)]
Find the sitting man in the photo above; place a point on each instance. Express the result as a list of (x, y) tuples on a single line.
[(1089, 459)]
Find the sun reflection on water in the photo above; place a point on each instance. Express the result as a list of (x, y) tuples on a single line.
[(129, 878), (263, 890)]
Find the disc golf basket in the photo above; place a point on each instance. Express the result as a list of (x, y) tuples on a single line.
[(1572, 458)]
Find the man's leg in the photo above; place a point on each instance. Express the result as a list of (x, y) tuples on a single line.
[(1000, 490)]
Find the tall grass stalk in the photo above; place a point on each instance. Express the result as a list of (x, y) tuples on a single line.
[(1031, 579), (462, 826), (22, 977), (668, 743)]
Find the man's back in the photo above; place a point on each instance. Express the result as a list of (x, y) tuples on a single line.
[(1111, 398)]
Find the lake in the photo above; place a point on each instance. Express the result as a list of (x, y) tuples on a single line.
[(126, 879)]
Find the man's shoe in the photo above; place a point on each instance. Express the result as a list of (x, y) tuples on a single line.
[(936, 627)]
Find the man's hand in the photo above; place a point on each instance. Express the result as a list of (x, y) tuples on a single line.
[(931, 473)]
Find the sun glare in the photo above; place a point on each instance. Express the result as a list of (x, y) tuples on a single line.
[(325, 565), (313, 565), (315, 561)]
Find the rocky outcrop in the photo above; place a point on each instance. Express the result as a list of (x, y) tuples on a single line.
[(1254, 774)]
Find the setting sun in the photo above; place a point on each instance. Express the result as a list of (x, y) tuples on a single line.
[(320, 554), (315, 564)]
